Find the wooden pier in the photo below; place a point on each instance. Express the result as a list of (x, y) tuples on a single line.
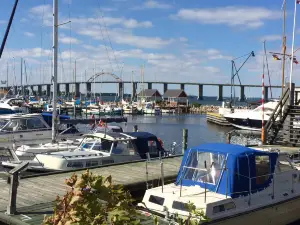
[(217, 119), (36, 193)]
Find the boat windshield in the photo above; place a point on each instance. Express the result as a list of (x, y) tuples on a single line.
[(3, 123), (96, 144), (204, 167)]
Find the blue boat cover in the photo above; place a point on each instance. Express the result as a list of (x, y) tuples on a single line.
[(48, 117), (239, 168)]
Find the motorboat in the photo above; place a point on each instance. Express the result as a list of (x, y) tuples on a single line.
[(97, 149), (251, 119), (22, 129), (232, 185), (64, 145), (13, 105)]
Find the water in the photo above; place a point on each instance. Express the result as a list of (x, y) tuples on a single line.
[(169, 128)]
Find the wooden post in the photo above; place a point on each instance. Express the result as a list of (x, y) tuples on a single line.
[(228, 137), (184, 139), (85, 111), (135, 128), (14, 181)]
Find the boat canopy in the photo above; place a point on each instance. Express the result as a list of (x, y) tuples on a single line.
[(227, 169), (147, 143)]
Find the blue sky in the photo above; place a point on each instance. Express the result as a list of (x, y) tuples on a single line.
[(175, 40)]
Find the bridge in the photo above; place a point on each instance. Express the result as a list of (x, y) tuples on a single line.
[(148, 84)]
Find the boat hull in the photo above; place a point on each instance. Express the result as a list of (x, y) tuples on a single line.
[(245, 124), (277, 214)]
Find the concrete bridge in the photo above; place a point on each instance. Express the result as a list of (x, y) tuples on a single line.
[(147, 84)]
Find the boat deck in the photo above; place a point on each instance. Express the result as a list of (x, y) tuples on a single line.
[(36, 193)]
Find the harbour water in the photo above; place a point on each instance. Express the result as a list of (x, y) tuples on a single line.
[(169, 128)]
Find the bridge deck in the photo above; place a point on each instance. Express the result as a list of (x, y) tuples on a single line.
[(36, 193)]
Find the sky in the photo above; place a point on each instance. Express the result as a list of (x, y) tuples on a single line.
[(173, 40)]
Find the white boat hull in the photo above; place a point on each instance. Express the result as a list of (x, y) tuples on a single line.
[(278, 214)]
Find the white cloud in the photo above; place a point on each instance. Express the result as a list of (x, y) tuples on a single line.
[(68, 40), (111, 21), (125, 37), (183, 39), (108, 9), (151, 4), (251, 17), (29, 34), (271, 37), (3, 21)]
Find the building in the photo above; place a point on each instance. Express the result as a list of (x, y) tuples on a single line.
[(175, 97), (150, 95)]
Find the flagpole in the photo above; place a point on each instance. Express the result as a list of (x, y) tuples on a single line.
[(293, 42)]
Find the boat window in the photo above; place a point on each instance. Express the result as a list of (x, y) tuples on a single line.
[(283, 164), (179, 206), (75, 164), (35, 123), (123, 147), (224, 207), (156, 200), (152, 145), (13, 125), (3, 123), (262, 168), (204, 167), (91, 163)]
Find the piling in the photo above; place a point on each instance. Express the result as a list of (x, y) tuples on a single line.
[(228, 137), (184, 139), (135, 128)]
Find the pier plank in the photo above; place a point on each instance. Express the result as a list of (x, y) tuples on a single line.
[(36, 193)]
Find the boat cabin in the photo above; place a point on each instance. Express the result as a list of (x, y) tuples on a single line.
[(226, 180), (100, 149)]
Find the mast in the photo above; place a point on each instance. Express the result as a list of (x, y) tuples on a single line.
[(21, 76), (293, 43), (54, 78), (283, 47), (7, 75)]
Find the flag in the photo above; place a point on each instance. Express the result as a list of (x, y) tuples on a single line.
[(298, 1), (275, 57), (295, 60)]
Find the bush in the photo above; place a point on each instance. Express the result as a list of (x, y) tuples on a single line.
[(93, 200)]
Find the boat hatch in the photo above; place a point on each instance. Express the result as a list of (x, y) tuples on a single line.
[(227, 169)]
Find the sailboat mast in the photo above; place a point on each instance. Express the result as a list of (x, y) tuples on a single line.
[(21, 76), (293, 44), (283, 47), (54, 78)]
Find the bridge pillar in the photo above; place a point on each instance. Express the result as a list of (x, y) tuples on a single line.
[(15, 90), (67, 89), (266, 94), (32, 89), (88, 89), (165, 87), (242, 94), (120, 91), (77, 89), (40, 90), (200, 92), (149, 85), (182, 87), (220, 96), (134, 87), (48, 90)]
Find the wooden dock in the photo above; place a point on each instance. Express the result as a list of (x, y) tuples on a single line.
[(217, 119), (36, 193)]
